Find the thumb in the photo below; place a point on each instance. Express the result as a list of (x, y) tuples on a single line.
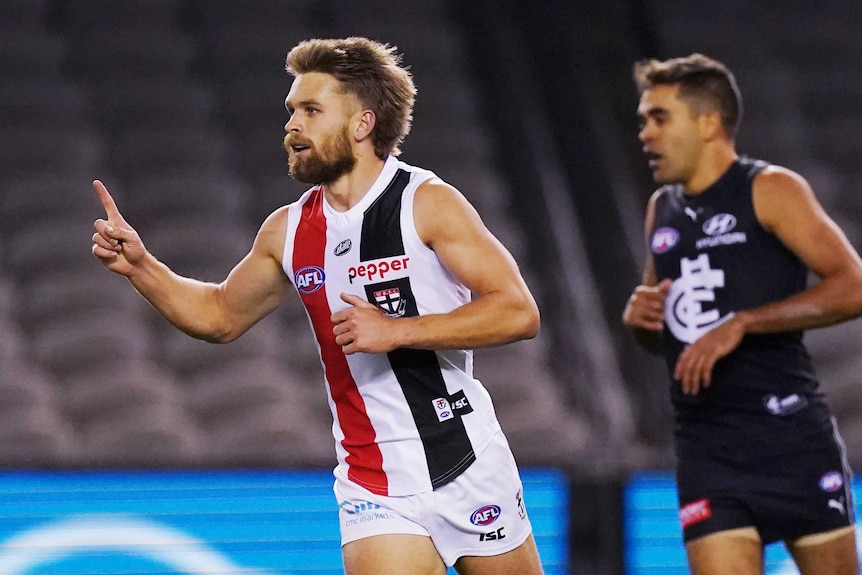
[(664, 286), (356, 301)]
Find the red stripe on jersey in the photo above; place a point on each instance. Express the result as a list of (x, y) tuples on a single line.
[(364, 458)]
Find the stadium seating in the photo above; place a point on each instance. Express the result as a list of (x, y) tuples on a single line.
[(178, 106)]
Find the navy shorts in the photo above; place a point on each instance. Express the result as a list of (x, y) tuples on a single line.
[(784, 494)]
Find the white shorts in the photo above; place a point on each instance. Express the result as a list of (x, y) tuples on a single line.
[(480, 513)]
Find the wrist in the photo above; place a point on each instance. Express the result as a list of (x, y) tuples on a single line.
[(403, 331), (744, 319), (142, 269)]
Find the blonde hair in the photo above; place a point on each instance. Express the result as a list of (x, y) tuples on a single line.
[(370, 71)]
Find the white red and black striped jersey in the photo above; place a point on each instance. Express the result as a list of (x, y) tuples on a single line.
[(406, 421)]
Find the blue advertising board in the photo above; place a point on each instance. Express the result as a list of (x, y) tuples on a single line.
[(204, 522), (653, 536)]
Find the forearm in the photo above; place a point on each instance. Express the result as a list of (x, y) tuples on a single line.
[(488, 321), (830, 301), (190, 305)]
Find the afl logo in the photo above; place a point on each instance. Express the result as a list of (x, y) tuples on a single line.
[(485, 515), (663, 239), (832, 481), (309, 279), (343, 247), (719, 224)]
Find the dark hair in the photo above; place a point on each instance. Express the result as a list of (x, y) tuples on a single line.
[(704, 84), (372, 72)]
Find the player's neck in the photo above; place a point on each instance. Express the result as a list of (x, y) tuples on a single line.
[(349, 189), (716, 160)]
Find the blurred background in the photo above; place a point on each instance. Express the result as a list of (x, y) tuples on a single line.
[(528, 108)]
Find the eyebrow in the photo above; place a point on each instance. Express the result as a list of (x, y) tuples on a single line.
[(302, 103), (654, 112)]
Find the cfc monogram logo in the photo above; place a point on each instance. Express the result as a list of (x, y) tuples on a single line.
[(686, 315)]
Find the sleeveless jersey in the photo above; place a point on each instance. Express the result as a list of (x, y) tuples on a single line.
[(410, 420), (722, 260)]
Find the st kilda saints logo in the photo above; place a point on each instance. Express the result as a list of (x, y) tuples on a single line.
[(390, 301), (393, 297)]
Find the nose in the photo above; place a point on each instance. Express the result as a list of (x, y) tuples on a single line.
[(645, 133)]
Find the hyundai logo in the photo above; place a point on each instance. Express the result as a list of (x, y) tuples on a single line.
[(719, 224)]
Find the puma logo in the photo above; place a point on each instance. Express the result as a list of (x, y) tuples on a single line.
[(837, 504), (690, 213)]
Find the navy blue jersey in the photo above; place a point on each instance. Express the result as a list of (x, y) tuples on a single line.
[(721, 260)]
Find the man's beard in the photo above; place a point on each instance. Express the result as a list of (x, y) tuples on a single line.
[(316, 168)]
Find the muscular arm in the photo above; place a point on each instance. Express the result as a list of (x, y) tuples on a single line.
[(502, 309), (213, 312), (786, 206)]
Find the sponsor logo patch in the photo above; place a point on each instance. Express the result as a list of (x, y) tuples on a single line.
[(493, 535), (664, 239), (695, 512), (309, 279), (390, 301), (719, 228), (343, 247), (837, 505), (485, 515), (361, 512), (719, 224), (784, 405), (832, 481), (377, 270), (443, 409), (449, 407), (354, 507)]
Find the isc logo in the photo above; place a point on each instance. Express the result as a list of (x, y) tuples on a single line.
[(493, 535), (485, 515), (309, 279)]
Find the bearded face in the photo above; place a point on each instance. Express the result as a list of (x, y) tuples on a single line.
[(321, 163)]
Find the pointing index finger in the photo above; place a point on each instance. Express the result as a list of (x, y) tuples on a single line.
[(107, 202)]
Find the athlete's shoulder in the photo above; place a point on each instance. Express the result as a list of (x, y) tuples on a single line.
[(753, 166), (776, 190), (271, 235), (776, 182), (417, 174)]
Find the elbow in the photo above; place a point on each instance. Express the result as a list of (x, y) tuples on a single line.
[(220, 338), (855, 302), (530, 321), (852, 300), (217, 333)]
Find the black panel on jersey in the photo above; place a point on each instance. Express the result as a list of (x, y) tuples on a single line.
[(447, 446), (381, 224)]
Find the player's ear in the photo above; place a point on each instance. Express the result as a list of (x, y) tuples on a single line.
[(710, 125), (365, 125)]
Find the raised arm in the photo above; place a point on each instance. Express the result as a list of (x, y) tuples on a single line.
[(213, 312), (502, 309)]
